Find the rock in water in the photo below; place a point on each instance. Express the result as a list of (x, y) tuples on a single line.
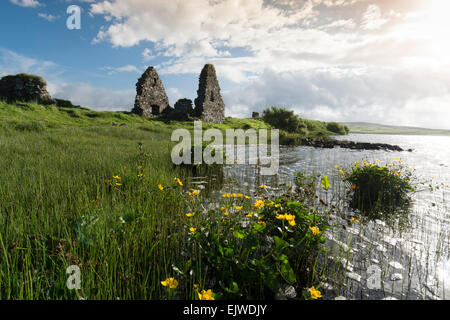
[(26, 88), (209, 104), (151, 98)]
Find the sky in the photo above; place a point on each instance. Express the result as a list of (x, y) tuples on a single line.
[(380, 61)]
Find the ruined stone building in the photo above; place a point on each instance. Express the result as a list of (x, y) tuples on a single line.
[(25, 88), (209, 105), (151, 99)]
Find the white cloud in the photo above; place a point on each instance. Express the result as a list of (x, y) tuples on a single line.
[(13, 63), (92, 97), (48, 17), (372, 19), (26, 3), (147, 55), (174, 94), (127, 68), (394, 97)]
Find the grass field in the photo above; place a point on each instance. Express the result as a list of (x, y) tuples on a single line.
[(80, 187)]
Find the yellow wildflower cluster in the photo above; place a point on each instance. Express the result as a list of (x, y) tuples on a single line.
[(172, 283), (314, 230), (288, 217), (234, 195), (259, 204), (205, 295)]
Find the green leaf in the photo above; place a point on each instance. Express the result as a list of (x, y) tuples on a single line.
[(325, 182), (280, 243), (239, 234), (287, 273)]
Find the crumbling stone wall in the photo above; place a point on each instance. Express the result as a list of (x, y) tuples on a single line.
[(209, 104), (25, 88), (151, 98)]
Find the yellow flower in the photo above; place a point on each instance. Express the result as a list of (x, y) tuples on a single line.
[(223, 209), (355, 220), (315, 294), (160, 187), (259, 204), (206, 295), (249, 215), (281, 217), (278, 205), (289, 217), (194, 193), (336, 166), (172, 283), (314, 230), (341, 171), (118, 184), (270, 204), (140, 175), (192, 229), (240, 195), (195, 287), (262, 223), (178, 181), (291, 223), (234, 195), (263, 186), (226, 195), (239, 207), (226, 213), (116, 177), (248, 197), (190, 215)]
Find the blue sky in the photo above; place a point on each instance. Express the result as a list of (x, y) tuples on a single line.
[(382, 61)]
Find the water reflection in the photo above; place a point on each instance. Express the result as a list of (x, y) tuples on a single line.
[(412, 254)]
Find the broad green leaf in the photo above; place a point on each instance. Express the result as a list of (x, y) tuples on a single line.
[(239, 234)]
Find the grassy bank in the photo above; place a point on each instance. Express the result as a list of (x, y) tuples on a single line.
[(97, 190)]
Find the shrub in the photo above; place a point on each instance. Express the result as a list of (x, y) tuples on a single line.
[(378, 190), (251, 250), (337, 128), (284, 119)]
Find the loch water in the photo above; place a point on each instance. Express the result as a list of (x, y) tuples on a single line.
[(372, 259)]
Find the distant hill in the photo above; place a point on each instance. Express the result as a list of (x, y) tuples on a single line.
[(373, 128)]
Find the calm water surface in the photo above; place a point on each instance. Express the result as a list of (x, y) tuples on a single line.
[(414, 260)]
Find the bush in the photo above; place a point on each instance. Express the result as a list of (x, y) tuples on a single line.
[(378, 190), (337, 128), (284, 119), (251, 250)]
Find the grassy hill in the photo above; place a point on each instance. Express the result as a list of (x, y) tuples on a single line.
[(36, 117), (372, 128)]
